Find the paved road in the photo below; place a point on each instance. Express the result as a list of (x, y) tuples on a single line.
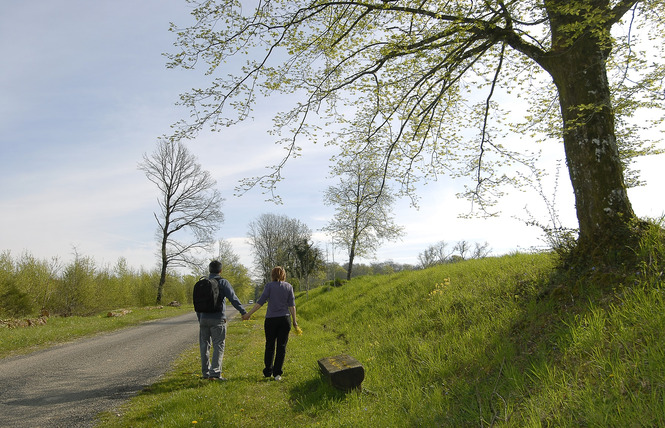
[(68, 385)]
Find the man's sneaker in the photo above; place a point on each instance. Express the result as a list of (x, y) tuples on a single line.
[(278, 378)]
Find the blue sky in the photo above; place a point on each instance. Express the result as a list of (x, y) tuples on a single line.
[(85, 92)]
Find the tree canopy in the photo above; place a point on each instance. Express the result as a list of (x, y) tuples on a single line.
[(274, 239), (363, 205), (419, 85)]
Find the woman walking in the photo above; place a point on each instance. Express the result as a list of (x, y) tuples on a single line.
[(281, 303)]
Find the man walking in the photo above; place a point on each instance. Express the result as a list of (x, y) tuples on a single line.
[(212, 325)]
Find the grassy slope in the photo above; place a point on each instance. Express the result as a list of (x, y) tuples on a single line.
[(469, 344)]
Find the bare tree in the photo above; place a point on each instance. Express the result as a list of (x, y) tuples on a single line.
[(480, 251), (274, 238), (462, 247), (434, 255), (362, 219), (188, 201)]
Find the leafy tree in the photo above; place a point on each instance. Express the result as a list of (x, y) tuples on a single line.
[(234, 271), (408, 80), (362, 219), (75, 289), (14, 302), (273, 238), (309, 261), (122, 281), (334, 271), (188, 200), (38, 276)]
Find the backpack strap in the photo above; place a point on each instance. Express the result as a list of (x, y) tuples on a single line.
[(220, 295)]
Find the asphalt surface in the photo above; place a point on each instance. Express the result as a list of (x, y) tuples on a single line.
[(68, 385)]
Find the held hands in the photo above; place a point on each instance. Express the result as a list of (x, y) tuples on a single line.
[(246, 316)]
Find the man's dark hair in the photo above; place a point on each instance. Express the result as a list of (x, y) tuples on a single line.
[(215, 266)]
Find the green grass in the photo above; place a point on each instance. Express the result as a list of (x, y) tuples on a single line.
[(182, 398), (480, 343), (14, 341), (487, 342)]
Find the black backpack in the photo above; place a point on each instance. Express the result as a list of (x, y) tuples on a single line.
[(206, 295)]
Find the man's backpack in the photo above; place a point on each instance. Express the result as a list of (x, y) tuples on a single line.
[(206, 295)]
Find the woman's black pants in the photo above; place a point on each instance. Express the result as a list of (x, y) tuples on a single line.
[(277, 335)]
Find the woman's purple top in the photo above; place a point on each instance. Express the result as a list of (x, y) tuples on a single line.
[(279, 295)]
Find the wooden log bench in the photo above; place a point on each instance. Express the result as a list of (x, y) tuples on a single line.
[(343, 371)]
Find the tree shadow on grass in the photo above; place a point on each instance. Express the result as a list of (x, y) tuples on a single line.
[(314, 395), (537, 342)]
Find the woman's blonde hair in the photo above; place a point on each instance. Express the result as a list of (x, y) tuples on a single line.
[(278, 274)]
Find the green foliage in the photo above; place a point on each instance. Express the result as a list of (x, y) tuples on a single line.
[(24, 284), (146, 284), (412, 84), (363, 209), (639, 259), (29, 285), (650, 252), (309, 266), (274, 239), (74, 292), (15, 303), (36, 276)]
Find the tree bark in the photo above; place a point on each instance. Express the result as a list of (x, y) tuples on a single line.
[(578, 68), (162, 275), (352, 255)]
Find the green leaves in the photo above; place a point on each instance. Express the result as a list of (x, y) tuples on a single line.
[(417, 86), (363, 203)]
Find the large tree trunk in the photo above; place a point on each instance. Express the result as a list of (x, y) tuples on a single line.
[(578, 67)]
